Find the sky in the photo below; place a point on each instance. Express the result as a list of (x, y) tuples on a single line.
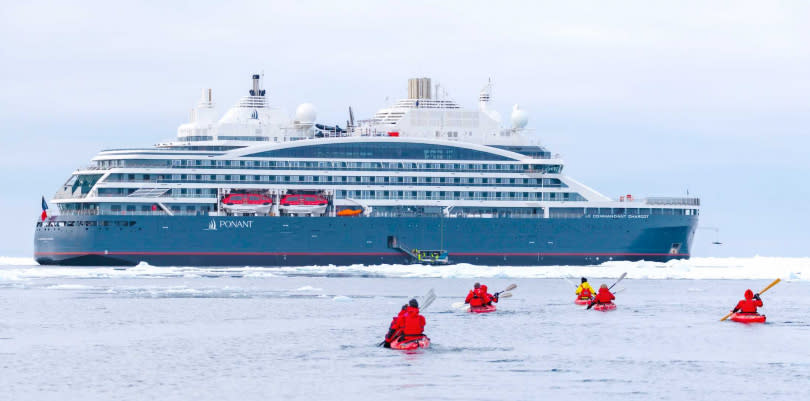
[(643, 98)]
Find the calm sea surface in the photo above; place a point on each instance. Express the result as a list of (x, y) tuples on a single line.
[(235, 334)]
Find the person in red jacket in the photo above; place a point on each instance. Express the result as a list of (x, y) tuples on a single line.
[(411, 323), (474, 298), (393, 328), (488, 298), (749, 304), (604, 296)]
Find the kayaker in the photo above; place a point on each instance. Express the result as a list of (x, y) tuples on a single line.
[(585, 291), (749, 304), (486, 297), (474, 297), (604, 295), (411, 323), (393, 328)]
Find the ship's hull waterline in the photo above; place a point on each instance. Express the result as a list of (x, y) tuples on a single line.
[(301, 241)]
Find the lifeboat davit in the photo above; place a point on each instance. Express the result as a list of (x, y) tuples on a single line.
[(303, 204)]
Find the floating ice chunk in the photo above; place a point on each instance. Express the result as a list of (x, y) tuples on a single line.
[(308, 288), (342, 298), (68, 287)]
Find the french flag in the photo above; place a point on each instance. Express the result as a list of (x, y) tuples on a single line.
[(44, 209)]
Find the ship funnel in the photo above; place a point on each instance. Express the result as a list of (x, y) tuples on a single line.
[(256, 91), (419, 88)]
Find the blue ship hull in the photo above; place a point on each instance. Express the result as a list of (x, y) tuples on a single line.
[(297, 241)]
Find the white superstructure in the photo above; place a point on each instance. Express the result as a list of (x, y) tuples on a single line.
[(421, 155)]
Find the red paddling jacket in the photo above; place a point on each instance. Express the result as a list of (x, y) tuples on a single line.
[(749, 304), (604, 296), (411, 322), (474, 298)]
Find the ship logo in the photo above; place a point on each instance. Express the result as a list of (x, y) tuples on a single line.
[(212, 226)]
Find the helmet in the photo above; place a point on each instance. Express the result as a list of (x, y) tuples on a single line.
[(477, 285), (413, 303), (584, 280)]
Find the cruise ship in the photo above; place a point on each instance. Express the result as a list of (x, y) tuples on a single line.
[(424, 180)]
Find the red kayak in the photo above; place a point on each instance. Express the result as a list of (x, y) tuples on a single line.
[(412, 344), (482, 309), (580, 301), (605, 307), (748, 318)]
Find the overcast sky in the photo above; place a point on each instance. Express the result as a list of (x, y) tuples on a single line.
[(639, 97)]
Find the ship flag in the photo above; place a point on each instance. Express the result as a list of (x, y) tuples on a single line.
[(44, 209)]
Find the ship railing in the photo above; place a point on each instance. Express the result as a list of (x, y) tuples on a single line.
[(673, 201), (130, 213), (166, 195)]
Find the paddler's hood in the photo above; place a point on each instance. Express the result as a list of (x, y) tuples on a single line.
[(749, 295)]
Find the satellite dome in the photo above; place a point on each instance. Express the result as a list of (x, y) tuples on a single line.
[(306, 113), (519, 118)]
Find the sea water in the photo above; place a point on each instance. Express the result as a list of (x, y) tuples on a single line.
[(246, 333)]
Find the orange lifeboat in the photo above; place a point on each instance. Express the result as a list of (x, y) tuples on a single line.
[(349, 212)]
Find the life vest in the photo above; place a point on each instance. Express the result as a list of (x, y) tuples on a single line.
[(604, 296), (477, 299), (749, 304), (412, 323), (584, 289)]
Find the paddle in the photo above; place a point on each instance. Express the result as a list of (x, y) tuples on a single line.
[(570, 282), (590, 305), (428, 299), (775, 282), (509, 288)]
